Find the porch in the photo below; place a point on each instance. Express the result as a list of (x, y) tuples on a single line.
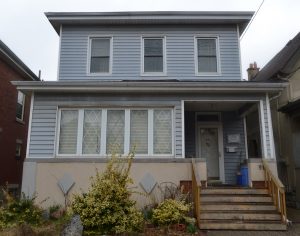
[(229, 134)]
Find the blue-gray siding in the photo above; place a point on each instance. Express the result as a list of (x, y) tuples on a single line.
[(127, 51), (232, 124)]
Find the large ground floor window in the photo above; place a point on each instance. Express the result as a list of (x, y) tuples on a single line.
[(94, 131)]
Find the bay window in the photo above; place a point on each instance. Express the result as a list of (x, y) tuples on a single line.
[(99, 132)]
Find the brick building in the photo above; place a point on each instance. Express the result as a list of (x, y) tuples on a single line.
[(14, 117)]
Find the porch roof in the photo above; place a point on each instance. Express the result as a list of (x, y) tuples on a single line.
[(148, 86)]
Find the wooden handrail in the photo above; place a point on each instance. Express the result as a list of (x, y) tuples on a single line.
[(275, 190), (196, 188)]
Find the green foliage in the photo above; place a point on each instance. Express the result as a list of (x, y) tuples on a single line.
[(171, 211), (19, 211), (191, 228), (107, 208)]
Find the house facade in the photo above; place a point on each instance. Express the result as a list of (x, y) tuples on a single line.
[(14, 118), (167, 85), (285, 108)]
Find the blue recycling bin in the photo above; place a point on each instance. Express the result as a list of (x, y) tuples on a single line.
[(244, 176), (239, 179)]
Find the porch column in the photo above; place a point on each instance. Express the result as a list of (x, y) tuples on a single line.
[(266, 129)]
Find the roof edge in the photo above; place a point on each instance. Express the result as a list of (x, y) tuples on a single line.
[(12, 58)]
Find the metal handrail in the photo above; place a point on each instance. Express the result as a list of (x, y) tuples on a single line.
[(196, 188), (275, 190)]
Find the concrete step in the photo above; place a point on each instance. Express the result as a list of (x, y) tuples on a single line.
[(239, 216), (239, 198), (236, 207), (242, 225), (233, 191)]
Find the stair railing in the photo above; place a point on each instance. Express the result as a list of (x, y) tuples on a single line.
[(196, 188), (275, 190)]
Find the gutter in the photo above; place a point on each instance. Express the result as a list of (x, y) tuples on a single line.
[(146, 86)]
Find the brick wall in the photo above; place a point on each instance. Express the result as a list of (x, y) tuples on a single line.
[(10, 128)]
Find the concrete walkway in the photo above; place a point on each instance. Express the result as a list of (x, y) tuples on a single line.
[(293, 230)]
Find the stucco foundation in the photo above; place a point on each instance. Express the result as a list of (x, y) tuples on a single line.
[(48, 172)]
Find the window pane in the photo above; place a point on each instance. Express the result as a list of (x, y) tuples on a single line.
[(153, 64), (100, 47), (207, 64), (20, 97), (206, 47), (91, 132), (99, 64), (20, 105), (153, 47), (153, 55), (68, 132), (100, 53), (207, 55), (139, 131), (19, 113), (162, 136), (115, 131)]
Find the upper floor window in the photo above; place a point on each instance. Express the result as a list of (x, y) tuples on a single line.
[(20, 106), (153, 56), (207, 61), (100, 56)]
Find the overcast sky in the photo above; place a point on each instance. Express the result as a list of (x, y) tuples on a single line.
[(27, 32)]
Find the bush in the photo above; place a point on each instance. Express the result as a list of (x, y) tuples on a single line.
[(107, 208), (171, 211), (16, 212)]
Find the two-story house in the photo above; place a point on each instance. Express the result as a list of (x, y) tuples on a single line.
[(14, 118), (166, 84), (285, 108)]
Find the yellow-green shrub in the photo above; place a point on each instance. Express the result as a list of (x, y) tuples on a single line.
[(171, 211), (107, 207)]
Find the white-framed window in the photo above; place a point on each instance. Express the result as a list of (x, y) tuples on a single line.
[(153, 56), (207, 56), (100, 55), (101, 131), (20, 106)]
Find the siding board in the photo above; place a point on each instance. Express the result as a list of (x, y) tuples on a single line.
[(127, 51)]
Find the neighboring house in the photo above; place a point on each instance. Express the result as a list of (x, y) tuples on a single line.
[(169, 86), (284, 66), (14, 117)]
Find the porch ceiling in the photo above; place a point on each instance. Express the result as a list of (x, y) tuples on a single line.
[(215, 106)]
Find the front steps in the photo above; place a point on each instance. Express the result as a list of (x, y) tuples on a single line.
[(238, 209)]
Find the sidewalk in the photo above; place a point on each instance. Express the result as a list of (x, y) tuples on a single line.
[(293, 230)]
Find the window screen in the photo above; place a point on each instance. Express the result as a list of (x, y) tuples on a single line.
[(100, 55), (153, 55), (207, 55)]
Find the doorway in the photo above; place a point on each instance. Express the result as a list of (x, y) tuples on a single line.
[(210, 146)]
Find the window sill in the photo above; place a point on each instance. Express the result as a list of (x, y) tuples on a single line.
[(154, 74), (20, 121), (208, 74), (99, 74)]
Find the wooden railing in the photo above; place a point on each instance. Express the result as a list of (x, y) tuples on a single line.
[(275, 190), (196, 188)]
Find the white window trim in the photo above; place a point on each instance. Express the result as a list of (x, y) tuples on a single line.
[(103, 153), (164, 73), (23, 107), (90, 38), (216, 38)]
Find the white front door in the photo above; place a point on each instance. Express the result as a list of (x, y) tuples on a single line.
[(210, 148)]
